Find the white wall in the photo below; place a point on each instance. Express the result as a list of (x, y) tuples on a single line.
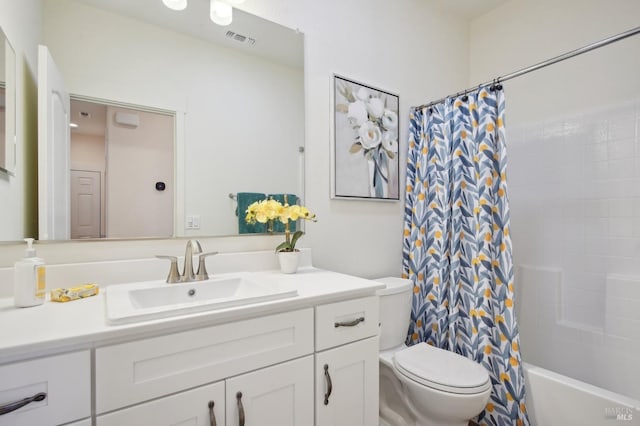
[(138, 158), (521, 33), (87, 152), (20, 21), (574, 156)]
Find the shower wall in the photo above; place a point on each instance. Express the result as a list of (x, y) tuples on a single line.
[(574, 191), (574, 182)]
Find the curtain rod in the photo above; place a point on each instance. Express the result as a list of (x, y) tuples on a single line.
[(543, 64)]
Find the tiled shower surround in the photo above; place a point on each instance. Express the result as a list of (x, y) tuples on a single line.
[(574, 191)]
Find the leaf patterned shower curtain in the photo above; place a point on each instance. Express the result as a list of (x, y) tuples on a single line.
[(457, 248)]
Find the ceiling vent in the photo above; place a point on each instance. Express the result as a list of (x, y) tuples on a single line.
[(241, 38)]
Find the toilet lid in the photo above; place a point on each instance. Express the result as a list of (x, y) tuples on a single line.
[(441, 369)]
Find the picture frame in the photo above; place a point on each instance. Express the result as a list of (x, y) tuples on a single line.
[(364, 159)]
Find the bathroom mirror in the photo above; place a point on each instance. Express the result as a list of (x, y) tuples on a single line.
[(237, 94), (7, 106)]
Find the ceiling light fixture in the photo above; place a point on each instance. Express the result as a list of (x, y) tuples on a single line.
[(221, 13), (175, 4)]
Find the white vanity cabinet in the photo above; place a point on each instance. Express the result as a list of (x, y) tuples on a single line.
[(276, 350), (59, 388), (192, 369), (279, 395), (346, 363)]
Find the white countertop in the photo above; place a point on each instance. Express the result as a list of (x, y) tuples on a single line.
[(60, 327)]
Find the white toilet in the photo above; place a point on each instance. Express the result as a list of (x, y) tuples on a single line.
[(422, 385)]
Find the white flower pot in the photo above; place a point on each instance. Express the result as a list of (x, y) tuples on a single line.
[(289, 261)]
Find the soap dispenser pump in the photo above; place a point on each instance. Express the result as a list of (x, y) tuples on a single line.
[(29, 279)]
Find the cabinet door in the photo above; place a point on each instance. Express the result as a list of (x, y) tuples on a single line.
[(191, 407), (53, 390), (281, 395), (347, 385)]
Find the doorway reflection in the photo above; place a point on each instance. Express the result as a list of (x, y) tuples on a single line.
[(122, 171)]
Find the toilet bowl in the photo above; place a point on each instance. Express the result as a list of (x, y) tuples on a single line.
[(421, 385)]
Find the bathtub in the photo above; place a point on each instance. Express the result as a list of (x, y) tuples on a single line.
[(556, 400)]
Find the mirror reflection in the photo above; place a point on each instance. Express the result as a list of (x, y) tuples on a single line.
[(120, 157), (7, 105), (236, 94)]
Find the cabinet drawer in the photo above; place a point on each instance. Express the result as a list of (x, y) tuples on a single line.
[(66, 380), (344, 322), (138, 371), (184, 408)]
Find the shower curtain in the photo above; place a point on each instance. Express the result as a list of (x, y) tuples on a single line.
[(457, 248)]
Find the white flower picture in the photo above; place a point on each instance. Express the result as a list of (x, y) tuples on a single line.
[(365, 151)]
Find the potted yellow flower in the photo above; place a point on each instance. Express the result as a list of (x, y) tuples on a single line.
[(267, 210)]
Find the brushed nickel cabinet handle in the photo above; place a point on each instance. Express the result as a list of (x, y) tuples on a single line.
[(13, 406), (327, 377), (212, 416), (348, 323), (240, 408)]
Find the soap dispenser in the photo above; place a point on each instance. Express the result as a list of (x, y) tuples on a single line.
[(29, 278)]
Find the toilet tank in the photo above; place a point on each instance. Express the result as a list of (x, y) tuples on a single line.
[(395, 311)]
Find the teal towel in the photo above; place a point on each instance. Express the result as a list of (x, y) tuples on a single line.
[(291, 200), (245, 199)]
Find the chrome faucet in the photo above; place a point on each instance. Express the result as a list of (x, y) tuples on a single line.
[(193, 247)]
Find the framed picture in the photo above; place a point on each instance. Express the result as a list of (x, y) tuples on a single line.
[(365, 163)]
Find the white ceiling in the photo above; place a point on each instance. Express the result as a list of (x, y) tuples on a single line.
[(273, 41), (94, 123)]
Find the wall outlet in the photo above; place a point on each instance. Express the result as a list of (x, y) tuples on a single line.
[(193, 222)]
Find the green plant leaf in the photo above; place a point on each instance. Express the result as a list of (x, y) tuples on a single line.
[(294, 239), (284, 246)]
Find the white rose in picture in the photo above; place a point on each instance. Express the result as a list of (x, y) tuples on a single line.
[(389, 142), (363, 94), (375, 107), (370, 135), (389, 119), (358, 112)]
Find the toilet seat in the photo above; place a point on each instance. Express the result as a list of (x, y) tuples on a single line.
[(441, 369)]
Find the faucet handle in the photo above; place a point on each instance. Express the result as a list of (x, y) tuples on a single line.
[(202, 275), (174, 274)]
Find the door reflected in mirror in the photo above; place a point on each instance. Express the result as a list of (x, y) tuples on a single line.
[(122, 171)]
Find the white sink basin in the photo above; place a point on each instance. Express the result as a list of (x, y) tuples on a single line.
[(143, 301)]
